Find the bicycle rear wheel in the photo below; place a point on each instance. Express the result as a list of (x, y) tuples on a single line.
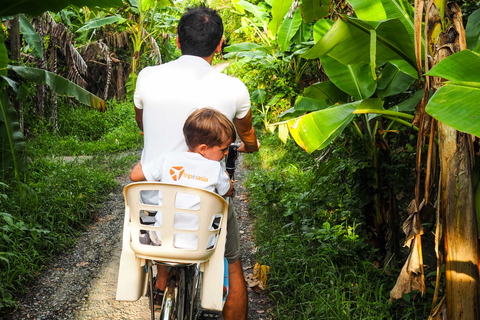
[(174, 301)]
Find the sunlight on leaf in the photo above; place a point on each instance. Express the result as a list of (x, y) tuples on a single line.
[(315, 130)]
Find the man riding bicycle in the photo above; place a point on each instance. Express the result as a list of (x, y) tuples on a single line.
[(166, 94)]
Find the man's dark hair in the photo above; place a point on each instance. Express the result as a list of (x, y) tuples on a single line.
[(199, 30)]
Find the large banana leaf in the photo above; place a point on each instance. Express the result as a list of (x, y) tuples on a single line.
[(377, 10), (353, 41), (12, 144), (279, 10), (31, 36), (37, 7), (456, 103), (317, 129), (472, 30), (313, 10), (320, 28), (257, 11), (354, 79), (461, 66), (288, 29), (100, 22), (60, 85), (319, 96), (393, 81), (326, 90)]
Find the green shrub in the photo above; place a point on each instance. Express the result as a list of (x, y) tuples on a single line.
[(84, 131)]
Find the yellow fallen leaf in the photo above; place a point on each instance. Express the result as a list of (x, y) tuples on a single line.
[(260, 272)]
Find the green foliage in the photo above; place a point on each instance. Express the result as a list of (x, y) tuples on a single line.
[(311, 228), (269, 60), (83, 131), (38, 7), (462, 89), (308, 236), (41, 217)]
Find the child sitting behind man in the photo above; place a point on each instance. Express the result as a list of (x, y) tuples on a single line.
[(208, 134)]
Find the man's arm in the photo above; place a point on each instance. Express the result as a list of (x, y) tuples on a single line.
[(139, 117), (247, 133)]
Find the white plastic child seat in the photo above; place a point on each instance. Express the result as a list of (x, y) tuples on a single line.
[(199, 239), (211, 218)]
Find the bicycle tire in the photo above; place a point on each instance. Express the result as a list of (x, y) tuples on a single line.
[(168, 305), (150, 289)]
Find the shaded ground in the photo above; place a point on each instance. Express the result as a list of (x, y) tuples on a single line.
[(81, 284)]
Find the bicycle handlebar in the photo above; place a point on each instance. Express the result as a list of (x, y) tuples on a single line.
[(231, 158)]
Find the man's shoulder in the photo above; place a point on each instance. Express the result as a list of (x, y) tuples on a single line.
[(157, 67), (226, 80)]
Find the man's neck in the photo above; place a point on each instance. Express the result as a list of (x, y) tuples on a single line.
[(209, 59)]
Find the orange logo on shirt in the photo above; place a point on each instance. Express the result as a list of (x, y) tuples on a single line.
[(176, 173)]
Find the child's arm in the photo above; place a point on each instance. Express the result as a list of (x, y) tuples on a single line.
[(137, 173), (230, 191)]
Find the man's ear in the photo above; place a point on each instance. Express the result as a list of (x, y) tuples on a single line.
[(178, 43), (218, 49)]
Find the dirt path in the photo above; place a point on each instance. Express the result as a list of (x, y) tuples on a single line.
[(81, 284)]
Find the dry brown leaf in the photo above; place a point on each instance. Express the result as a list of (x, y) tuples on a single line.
[(410, 277)]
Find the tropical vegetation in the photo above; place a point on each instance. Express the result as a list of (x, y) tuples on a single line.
[(376, 218)]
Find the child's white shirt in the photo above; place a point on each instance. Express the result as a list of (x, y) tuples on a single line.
[(188, 169)]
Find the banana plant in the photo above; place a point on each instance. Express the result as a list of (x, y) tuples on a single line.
[(13, 161), (370, 58), (364, 59), (283, 35), (146, 10)]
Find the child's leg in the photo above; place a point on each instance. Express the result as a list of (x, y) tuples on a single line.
[(162, 275)]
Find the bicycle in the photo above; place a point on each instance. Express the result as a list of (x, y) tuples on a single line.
[(197, 282)]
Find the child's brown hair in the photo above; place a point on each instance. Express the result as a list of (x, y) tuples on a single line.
[(208, 126)]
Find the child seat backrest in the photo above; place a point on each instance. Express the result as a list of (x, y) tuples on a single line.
[(187, 235)]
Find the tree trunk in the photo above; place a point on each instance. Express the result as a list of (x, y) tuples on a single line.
[(53, 96), (457, 206), (41, 64), (460, 225), (120, 82), (15, 45)]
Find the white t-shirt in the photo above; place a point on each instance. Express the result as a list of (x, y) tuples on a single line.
[(189, 169), (170, 92)]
